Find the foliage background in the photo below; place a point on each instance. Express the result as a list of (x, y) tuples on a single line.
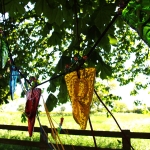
[(43, 36)]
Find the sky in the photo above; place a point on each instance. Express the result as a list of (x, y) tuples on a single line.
[(124, 92)]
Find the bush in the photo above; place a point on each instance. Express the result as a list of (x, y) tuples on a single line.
[(138, 111), (120, 107), (148, 108), (21, 107)]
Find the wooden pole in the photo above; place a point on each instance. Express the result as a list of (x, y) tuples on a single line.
[(126, 143)]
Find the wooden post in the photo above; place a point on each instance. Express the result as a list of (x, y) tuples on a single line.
[(126, 143), (44, 137)]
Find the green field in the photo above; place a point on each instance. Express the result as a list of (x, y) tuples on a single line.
[(131, 121)]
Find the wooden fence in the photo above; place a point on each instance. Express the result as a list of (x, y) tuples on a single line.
[(42, 144)]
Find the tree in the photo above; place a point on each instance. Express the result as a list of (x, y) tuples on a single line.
[(104, 89), (120, 106), (21, 108), (38, 32), (62, 109)]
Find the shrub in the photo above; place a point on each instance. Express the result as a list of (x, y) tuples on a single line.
[(148, 108), (120, 106), (21, 107), (138, 111)]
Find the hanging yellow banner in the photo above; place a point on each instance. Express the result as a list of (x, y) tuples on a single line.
[(80, 85)]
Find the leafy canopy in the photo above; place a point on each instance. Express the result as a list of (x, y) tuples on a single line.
[(43, 36)]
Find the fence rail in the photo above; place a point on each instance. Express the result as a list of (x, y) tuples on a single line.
[(43, 144)]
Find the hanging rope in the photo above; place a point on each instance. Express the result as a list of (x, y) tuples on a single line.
[(44, 135), (93, 133), (77, 25), (114, 119)]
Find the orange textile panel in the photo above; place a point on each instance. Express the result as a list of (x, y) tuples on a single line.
[(80, 85)]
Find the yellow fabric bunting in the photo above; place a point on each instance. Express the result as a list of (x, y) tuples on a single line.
[(80, 85)]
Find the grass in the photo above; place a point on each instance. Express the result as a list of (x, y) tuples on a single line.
[(131, 121)]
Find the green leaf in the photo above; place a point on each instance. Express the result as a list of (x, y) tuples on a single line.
[(106, 70), (51, 102), (67, 14), (42, 6), (21, 9), (95, 57), (112, 39), (13, 6), (46, 29), (59, 17), (51, 15), (137, 103), (62, 62), (55, 39), (104, 43), (134, 92), (23, 118), (96, 61), (39, 6), (62, 95), (47, 7), (145, 3), (119, 22), (52, 86), (93, 32), (104, 15)]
